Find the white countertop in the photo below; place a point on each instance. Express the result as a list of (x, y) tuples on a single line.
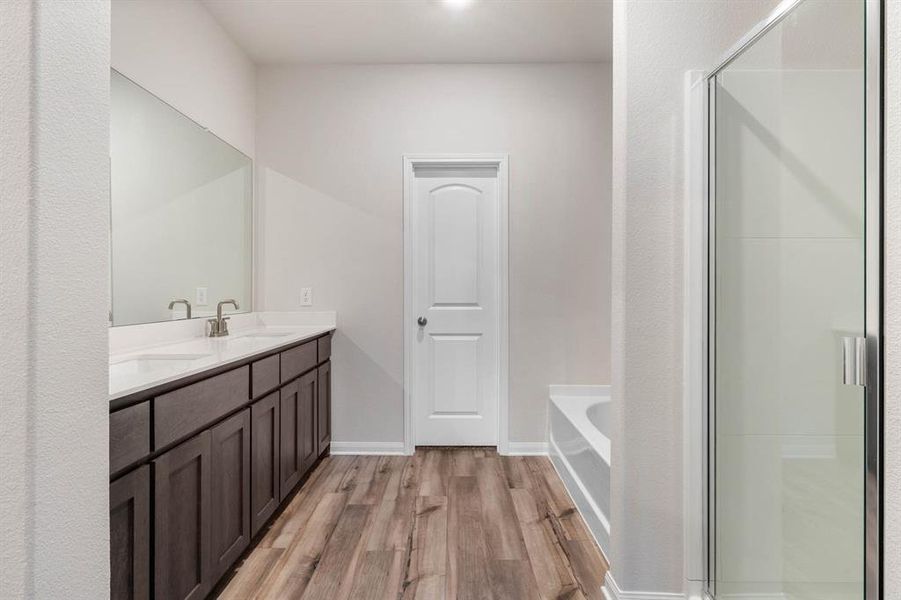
[(143, 367)]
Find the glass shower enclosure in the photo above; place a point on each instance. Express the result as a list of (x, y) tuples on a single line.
[(794, 210)]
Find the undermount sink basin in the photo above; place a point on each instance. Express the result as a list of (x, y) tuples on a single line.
[(169, 356), (144, 363), (263, 336)]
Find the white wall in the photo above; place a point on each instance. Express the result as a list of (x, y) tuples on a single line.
[(16, 516), (175, 49), (654, 44), (329, 146), (892, 227), (54, 190)]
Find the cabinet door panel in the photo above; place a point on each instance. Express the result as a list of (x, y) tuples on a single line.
[(265, 494), (129, 509), (290, 465), (324, 408), (308, 442), (183, 569), (231, 490)]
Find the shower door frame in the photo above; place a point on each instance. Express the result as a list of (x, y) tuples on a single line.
[(873, 425)]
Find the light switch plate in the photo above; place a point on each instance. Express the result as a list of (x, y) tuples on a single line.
[(201, 299), (306, 296)]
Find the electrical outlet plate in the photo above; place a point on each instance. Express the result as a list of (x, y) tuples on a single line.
[(201, 297), (306, 296)]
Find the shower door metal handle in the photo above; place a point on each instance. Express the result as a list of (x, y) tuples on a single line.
[(854, 360)]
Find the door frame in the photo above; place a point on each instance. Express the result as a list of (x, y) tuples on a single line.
[(698, 317), (501, 162)]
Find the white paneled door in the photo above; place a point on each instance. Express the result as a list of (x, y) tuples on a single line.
[(454, 257)]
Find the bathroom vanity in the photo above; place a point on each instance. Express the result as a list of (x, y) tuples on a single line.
[(209, 439), (217, 415)]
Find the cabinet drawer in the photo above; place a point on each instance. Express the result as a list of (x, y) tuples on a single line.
[(298, 360), (178, 413), (325, 347), (264, 375), (129, 435)]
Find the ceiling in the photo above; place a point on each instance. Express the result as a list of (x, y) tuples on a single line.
[(417, 31)]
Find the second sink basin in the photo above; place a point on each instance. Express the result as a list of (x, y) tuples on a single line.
[(144, 363), (265, 336)]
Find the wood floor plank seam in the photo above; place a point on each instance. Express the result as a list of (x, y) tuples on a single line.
[(405, 581), (443, 524), (291, 549), (379, 492), (560, 539)]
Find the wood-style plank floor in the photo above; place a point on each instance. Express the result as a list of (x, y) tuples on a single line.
[(446, 523)]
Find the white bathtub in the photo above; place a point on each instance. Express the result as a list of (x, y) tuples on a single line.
[(580, 450)]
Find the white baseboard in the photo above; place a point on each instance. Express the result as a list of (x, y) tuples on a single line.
[(526, 449), (613, 592), (694, 590), (369, 448)]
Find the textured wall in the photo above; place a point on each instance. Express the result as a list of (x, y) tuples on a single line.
[(54, 224), (654, 43), (15, 191), (329, 146), (893, 301)]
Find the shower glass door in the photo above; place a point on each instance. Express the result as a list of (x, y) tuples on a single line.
[(787, 222)]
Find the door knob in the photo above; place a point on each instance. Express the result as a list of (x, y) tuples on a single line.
[(422, 321)]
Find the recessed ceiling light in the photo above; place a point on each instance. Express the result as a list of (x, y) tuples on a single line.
[(457, 4)]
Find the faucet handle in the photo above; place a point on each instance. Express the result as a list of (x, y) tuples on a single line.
[(223, 325), (214, 327)]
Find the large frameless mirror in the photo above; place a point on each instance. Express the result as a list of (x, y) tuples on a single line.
[(181, 213)]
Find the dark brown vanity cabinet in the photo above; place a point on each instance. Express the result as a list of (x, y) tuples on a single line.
[(307, 402), (265, 453), (182, 514), (202, 465), (129, 516), (299, 445), (290, 438), (324, 411), (299, 448), (231, 490)]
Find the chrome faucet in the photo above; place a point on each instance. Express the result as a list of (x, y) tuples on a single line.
[(219, 325), (181, 301)]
